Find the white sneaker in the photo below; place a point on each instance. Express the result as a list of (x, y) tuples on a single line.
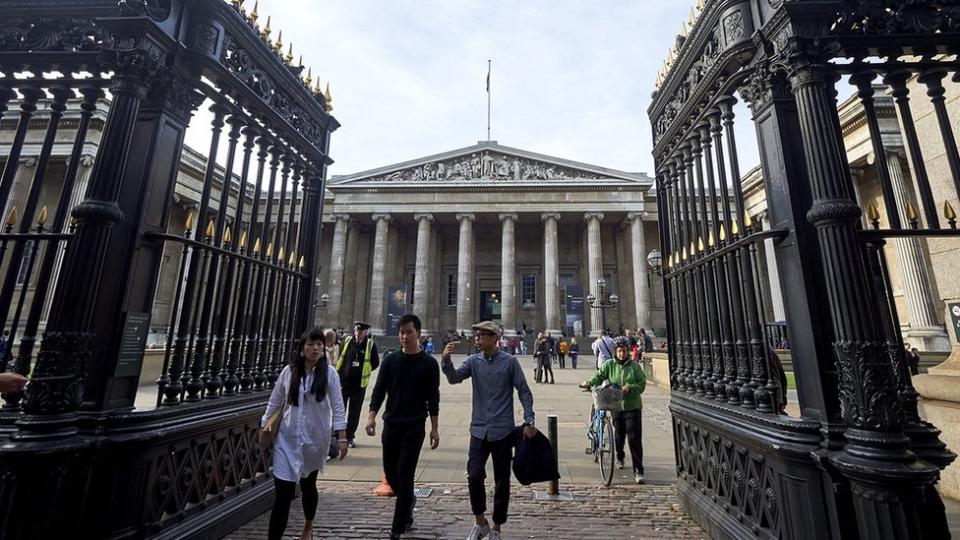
[(495, 535), (638, 478), (479, 532)]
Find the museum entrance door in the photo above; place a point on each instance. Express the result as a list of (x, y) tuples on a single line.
[(490, 306)]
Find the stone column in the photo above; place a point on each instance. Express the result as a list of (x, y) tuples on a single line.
[(421, 280), (594, 267), (338, 254), (638, 245), (924, 333), (551, 274), (508, 275), (773, 273), (376, 317), (465, 272)]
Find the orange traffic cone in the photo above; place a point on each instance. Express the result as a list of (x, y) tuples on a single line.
[(383, 490)]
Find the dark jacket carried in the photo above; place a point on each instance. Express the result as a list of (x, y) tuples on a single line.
[(533, 459)]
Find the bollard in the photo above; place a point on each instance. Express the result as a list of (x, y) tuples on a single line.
[(554, 488)]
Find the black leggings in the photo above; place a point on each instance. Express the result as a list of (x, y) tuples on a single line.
[(285, 493)]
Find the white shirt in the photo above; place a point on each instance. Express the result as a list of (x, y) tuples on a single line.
[(304, 437), (603, 349)]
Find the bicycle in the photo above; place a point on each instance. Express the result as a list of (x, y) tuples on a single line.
[(600, 435)]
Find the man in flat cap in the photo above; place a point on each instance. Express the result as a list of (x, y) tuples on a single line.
[(495, 375), (358, 358)]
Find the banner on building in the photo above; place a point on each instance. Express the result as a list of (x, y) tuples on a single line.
[(396, 307), (574, 299), (955, 319)]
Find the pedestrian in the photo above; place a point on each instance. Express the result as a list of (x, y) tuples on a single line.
[(410, 383), (574, 352), (332, 348), (913, 360), (562, 351), (545, 357), (307, 393), (494, 375), (647, 340), (429, 347), (603, 349), (627, 423), (358, 358), (537, 365)]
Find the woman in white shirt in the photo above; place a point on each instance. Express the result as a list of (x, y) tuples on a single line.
[(309, 391)]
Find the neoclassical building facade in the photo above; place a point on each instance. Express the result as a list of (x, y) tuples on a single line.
[(490, 232)]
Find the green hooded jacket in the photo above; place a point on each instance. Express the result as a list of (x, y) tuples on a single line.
[(633, 378)]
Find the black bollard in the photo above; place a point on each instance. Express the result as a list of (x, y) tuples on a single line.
[(554, 488)]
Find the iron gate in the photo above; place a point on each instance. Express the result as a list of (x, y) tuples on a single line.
[(80, 275), (858, 461)]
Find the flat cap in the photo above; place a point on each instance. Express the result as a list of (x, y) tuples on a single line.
[(487, 326), (359, 325)]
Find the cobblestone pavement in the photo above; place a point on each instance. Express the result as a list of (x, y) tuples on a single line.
[(347, 510)]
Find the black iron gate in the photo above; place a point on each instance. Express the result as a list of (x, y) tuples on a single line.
[(857, 461), (79, 276)]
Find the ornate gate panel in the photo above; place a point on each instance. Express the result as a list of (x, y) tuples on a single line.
[(79, 278), (858, 461)]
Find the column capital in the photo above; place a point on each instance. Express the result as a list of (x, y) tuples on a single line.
[(505, 217), (340, 217), (550, 215), (421, 217), (384, 217), (461, 217), (587, 216), (633, 216)]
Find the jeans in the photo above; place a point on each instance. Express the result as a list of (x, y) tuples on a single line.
[(502, 452), (353, 403), (573, 359), (401, 452), (628, 426), (285, 492)]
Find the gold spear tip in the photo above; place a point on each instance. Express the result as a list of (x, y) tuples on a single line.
[(290, 52), (237, 3), (280, 254), (873, 214), (693, 18), (723, 233), (684, 253), (243, 240), (328, 98), (292, 260), (669, 262), (303, 262), (279, 44), (256, 246), (701, 5), (309, 77), (12, 217), (911, 212), (253, 14), (226, 236), (710, 239), (747, 220), (266, 30), (734, 228), (683, 28), (948, 211), (700, 246), (42, 218), (211, 229), (188, 225), (270, 249)]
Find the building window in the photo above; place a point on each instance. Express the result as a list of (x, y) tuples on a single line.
[(528, 290), (451, 290)]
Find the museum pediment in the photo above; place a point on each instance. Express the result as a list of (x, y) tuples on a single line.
[(486, 163)]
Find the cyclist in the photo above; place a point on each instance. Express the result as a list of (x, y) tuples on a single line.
[(627, 424)]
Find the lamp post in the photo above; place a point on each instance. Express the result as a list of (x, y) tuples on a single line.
[(655, 262), (322, 301), (606, 300)]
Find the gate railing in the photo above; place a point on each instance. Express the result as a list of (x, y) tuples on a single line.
[(80, 275), (745, 468)]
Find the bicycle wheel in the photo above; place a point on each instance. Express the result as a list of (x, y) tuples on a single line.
[(606, 451)]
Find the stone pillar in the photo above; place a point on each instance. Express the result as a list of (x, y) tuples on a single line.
[(551, 273), (924, 333), (421, 280), (465, 273), (348, 299), (338, 254), (638, 245), (773, 273), (508, 275), (376, 317), (594, 267)]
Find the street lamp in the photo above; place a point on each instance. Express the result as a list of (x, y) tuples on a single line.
[(606, 301), (324, 298), (655, 262)]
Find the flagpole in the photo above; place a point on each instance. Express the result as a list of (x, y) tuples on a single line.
[(488, 100)]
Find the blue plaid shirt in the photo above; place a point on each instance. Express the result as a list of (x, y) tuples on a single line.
[(494, 379)]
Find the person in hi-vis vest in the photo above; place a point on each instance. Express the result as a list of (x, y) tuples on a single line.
[(358, 358)]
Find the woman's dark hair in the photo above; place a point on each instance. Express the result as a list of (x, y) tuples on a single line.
[(298, 369)]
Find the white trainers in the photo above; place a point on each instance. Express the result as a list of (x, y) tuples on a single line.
[(638, 478), (479, 532)]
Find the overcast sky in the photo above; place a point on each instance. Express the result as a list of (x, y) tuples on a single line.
[(570, 79)]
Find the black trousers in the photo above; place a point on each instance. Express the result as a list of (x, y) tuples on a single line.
[(401, 452), (285, 492), (628, 427), (547, 370), (353, 403), (502, 452), (562, 357)]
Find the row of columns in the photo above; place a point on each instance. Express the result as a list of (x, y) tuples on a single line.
[(466, 268)]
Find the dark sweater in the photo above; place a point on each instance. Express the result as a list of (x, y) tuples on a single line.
[(411, 386)]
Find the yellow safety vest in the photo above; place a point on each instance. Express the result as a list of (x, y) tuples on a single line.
[(365, 374)]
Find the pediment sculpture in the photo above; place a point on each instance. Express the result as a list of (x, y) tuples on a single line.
[(485, 165)]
